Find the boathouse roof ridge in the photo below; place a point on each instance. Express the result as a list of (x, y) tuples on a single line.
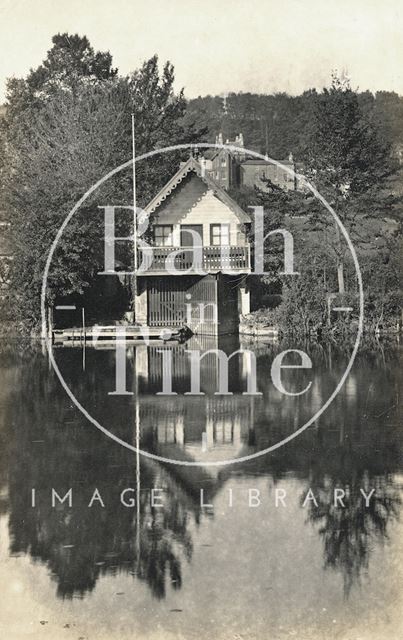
[(193, 166)]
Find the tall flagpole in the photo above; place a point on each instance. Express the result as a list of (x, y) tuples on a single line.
[(136, 382), (134, 281)]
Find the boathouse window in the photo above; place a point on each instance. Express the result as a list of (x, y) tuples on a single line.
[(219, 234), (163, 235)]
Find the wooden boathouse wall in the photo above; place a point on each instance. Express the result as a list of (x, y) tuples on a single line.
[(209, 305)]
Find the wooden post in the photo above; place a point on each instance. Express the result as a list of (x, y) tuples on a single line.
[(329, 311), (83, 335), (134, 280), (330, 297), (50, 323), (83, 323)]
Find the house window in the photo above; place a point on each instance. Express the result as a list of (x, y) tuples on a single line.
[(219, 235), (163, 235)]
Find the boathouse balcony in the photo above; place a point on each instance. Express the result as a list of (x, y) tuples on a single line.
[(187, 260)]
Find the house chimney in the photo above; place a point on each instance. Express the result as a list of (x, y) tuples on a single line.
[(218, 139), (202, 162)]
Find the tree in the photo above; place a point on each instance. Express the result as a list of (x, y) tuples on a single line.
[(382, 275), (62, 134), (70, 62), (160, 121), (348, 162), (57, 154)]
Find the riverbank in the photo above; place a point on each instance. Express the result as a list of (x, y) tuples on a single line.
[(267, 323)]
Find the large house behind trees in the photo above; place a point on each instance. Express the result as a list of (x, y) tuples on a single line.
[(200, 256), (231, 168), (222, 165), (260, 173)]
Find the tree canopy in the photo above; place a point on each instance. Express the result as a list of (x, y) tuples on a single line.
[(67, 125)]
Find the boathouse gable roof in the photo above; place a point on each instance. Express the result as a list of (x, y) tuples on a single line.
[(188, 170)]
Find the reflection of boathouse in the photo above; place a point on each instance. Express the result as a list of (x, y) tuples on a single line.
[(200, 257), (193, 427)]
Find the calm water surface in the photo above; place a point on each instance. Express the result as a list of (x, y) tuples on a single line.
[(226, 571)]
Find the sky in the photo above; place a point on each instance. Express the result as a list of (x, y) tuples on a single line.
[(218, 46)]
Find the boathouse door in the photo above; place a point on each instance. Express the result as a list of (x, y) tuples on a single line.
[(192, 236), (175, 301), (166, 302), (188, 239)]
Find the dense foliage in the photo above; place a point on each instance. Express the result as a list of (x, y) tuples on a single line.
[(347, 157), (68, 123), (278, 123)]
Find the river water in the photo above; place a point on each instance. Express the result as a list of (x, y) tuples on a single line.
[(269, 554)]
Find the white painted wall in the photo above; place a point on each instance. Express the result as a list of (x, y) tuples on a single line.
[(194, 203)]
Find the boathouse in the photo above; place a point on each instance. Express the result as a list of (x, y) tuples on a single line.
[(201, 257)]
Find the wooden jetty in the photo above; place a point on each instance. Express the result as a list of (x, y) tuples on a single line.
[(101, 336)]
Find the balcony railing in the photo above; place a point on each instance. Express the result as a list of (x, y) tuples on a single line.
[(208, 259)]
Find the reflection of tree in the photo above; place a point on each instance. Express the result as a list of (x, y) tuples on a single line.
[(158, 550), (349, 532), (9, 378), (80, 544), (48, 444), (53, 447), (355, 444)]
